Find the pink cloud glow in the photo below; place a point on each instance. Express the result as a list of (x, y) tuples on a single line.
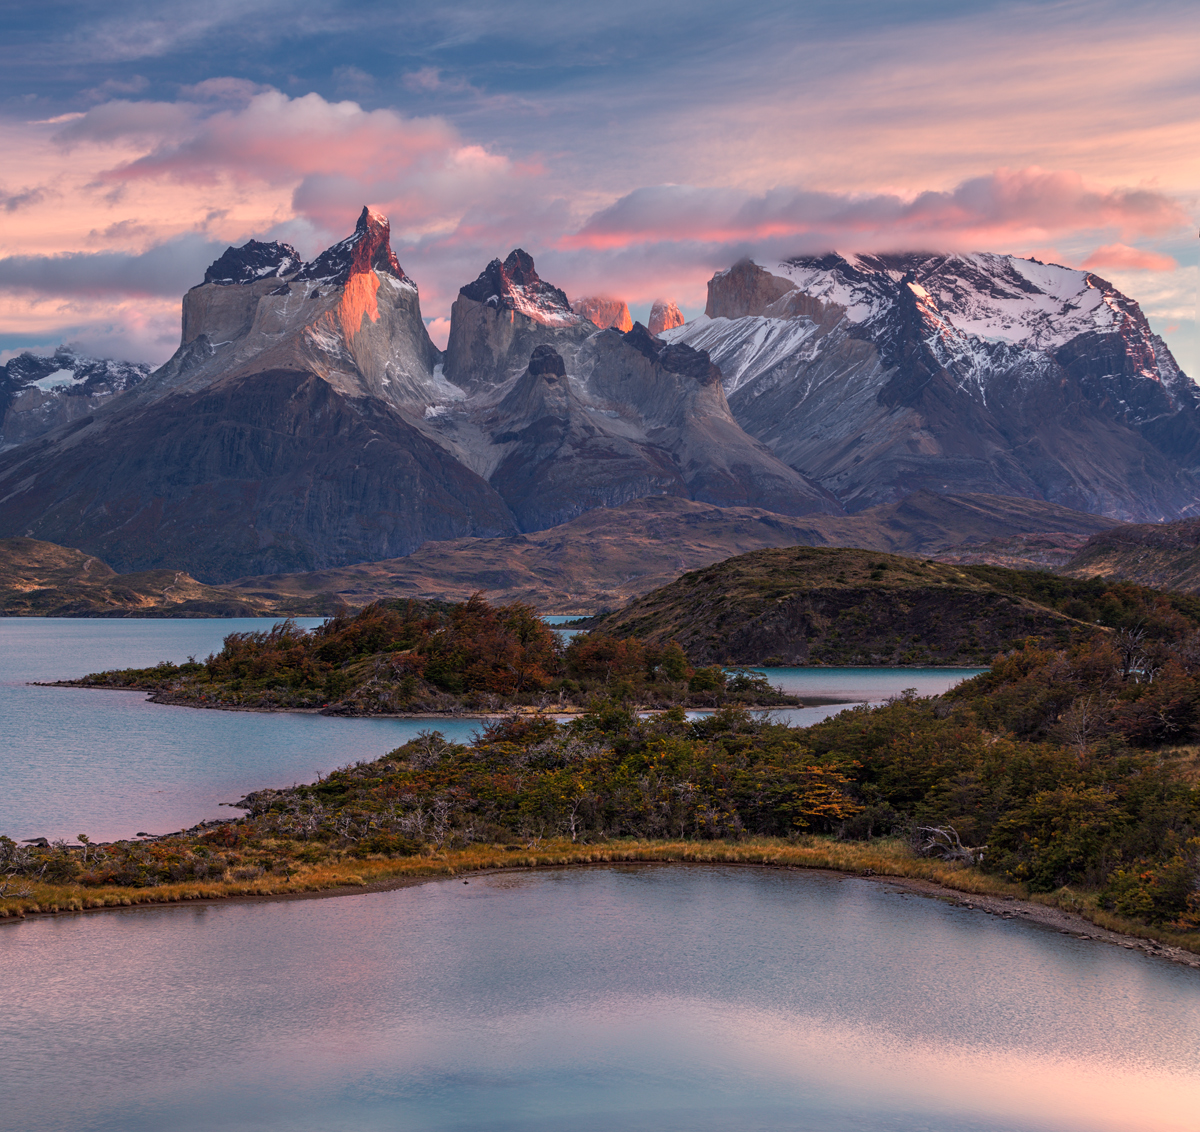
[(139, 183), (1007, 205), (1125, 258)]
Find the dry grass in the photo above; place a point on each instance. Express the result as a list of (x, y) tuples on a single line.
[(884, 857), (1184, 764)]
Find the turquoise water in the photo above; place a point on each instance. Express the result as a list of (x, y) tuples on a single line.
[(653, 999), (110, 764)]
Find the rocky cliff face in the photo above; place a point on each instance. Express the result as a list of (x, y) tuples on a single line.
[(285, 433), (352, 316), (664, 315), (879, 375), (497, 321), (39, 393), (634, 418), (604, 312)]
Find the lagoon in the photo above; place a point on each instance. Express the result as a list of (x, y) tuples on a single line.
[(637, 998), (110, 764)]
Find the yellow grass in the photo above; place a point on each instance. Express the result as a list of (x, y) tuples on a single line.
[(884, 857)]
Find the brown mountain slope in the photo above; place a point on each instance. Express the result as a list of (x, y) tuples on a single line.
[(599, 560), (40, 579), (1162, 555), (606, 556)]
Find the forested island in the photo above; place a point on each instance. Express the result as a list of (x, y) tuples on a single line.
[(431, 658)]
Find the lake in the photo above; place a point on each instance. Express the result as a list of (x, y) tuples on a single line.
[(110, 764), (652, 998)]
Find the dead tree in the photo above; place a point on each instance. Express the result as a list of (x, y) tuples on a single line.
[(944, 842)]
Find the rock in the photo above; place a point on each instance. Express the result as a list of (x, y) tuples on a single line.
[(604, 312), (744, 289), (498, 320), (664, 315)]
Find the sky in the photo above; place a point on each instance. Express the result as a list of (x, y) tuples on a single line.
[(632, 148)]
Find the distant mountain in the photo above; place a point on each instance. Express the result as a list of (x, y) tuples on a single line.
[(606, 313), (39, 393), (308, 422), (879, 375), (664, 315), (284, 434)]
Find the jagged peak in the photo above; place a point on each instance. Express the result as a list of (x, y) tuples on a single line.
[(253, 261), (369, 248), (643, 341), (515, 285)]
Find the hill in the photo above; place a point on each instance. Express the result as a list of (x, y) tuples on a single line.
[(808, 606), (40, 579), (598, 561), (1162, 555), (609, 555)]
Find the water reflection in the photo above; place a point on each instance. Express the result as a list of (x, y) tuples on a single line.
[(631, 998)]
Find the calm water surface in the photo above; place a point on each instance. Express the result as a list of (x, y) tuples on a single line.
[(643, 998), (110, 764)]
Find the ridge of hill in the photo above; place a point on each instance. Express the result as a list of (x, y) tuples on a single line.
[(607, 556), (818, 606), (599, 560), (41, 579)]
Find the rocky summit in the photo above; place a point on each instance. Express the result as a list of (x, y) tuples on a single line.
[(664, 315), (875, 376), (308, 422), (606, 313)]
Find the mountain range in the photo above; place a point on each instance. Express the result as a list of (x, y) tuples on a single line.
[(879, 375), (308, 422)]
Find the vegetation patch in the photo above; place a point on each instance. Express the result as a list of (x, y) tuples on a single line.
[(438, 659)]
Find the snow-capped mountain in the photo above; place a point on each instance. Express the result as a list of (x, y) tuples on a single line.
[(38, 392), (305, 422), (879, 375)]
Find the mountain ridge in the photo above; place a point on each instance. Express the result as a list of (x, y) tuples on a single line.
[(307, 421)]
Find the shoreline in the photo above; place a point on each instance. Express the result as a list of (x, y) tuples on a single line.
[(521, 709), (1045, 913)]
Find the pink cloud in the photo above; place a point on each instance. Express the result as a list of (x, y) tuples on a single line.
[(1124, 258), (1006, 205), (333, 155)]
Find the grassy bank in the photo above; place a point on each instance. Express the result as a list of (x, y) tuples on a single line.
[(882, 857)]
